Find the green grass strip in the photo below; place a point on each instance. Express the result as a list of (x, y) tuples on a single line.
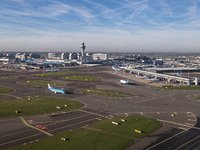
[(58, 73), (107, 93), (35, 105), (79, 139), (132, 123), (41, 83), (182, 88), (4, 90), (81, 78)]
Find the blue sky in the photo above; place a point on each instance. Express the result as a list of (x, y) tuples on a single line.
[(104, 25)]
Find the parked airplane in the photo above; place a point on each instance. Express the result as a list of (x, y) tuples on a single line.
[(141, 77), (116, 68), (125, 81), (153, 79), (56, 90), (176, 74)]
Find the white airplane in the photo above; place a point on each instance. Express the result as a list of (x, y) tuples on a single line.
[(116, 68), (56, 90), (125, 81), (176, 74), (153, 79), (141, 77)]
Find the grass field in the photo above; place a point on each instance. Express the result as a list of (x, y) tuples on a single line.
[(36, 106), (132, 123), (79, 139), (81, 78), (108, 93), (198, 97), (58, 73), (85, 139), (182, 88), (4, 90), (41, 83)]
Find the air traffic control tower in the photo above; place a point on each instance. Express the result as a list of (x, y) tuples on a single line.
[(82, 49)]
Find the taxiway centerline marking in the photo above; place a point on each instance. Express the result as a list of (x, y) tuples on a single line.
[(187, 142), (24, 121), (165, 140), (15, 133), (20, 139), (183, 128)]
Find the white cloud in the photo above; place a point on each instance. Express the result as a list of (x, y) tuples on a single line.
[(115, 40), (129, 25)]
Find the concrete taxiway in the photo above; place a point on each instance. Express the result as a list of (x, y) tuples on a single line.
[(177, 111)]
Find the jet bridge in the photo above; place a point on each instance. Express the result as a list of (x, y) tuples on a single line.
[(169, 78)]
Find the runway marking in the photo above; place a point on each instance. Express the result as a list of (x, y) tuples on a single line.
[(158, 113), (165, 140), (24, 121), (106, 105), (187, 142), (72, 124), (180, 124), (149, 113), (126, 114), (13, 96), (183, 128), (189, 124), (7, 125), (191, 120), (111, 116), (15, 133), (55, 122), (172, 97), (95, 114), (85, 105), (190, 115), (20, 139), (98, 118)]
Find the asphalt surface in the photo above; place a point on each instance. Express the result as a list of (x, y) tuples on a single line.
[(177, 110)]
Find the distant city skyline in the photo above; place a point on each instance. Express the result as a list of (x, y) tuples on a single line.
[(106, 25)]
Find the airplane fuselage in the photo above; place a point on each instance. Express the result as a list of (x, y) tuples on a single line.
[(57, 90), (124, 81)]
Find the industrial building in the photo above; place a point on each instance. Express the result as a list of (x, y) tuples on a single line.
[(100, 56)]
